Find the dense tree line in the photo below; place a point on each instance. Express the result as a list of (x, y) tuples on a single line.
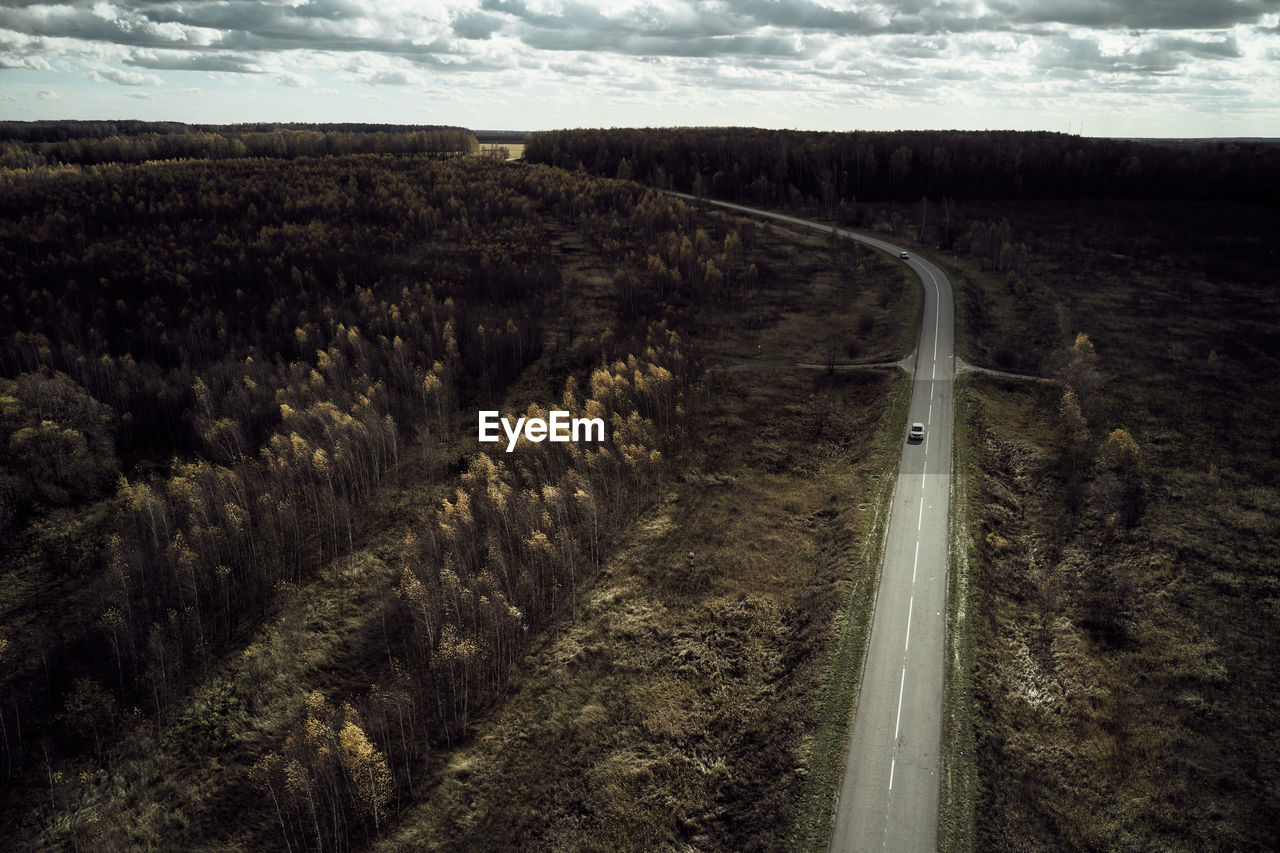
[(782, 168), (230, 355), (25, 145), (501, 136), (61, 130)]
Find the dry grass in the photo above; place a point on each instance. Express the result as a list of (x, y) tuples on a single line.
[(675, 710), (1121, 675), (853, 305)]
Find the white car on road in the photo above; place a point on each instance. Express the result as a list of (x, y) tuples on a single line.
[(917, 432)]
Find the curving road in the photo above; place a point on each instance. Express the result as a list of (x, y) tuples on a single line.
[(890, 791)]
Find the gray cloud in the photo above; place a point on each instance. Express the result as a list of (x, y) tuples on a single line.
[(690, 30), (690, 20), (476, 25), (915, 48), (1164, 55), (648, 45), (581, 68), (1138, 14), (323, 19), (285, 38), (225, 62), (804, 15), (700, 28), (127, 78), (244, 25), (69, 22), (761, 82), (447, 62), (959, 75), (333, 10), (1225, 48)]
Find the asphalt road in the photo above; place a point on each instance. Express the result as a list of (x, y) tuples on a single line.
[(890, 792)]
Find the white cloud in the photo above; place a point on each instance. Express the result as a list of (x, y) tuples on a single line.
[(125, 78), (294, 80), (396, 78), (27, 63)]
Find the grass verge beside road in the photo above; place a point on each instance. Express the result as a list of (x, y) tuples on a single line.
[(958, 771), (1119, 625), (826, 750)]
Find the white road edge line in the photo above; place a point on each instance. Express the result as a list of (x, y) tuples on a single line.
[(907, 645), (937, 311), (901, 687)]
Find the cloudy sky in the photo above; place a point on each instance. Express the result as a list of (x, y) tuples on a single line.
[(1101, 67)]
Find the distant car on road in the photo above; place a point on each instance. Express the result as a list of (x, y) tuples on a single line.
[(903, 255), (917, 432)]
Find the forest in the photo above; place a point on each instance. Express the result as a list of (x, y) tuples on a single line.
[(212, 365), (25, 145), (837, 171)]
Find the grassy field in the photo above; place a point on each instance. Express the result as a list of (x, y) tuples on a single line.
[(693, 695), (1116, 671), (508, 150)]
